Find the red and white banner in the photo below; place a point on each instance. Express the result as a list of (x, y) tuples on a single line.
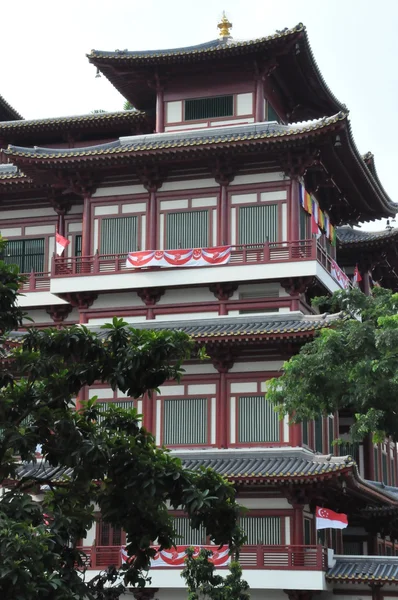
[(176, 556), (339, 275), (61, 243), (185, 257), (328, 519)]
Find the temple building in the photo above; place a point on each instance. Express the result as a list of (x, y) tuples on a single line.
[(220, 205)]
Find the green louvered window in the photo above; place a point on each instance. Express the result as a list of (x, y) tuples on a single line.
[(188, 535), (257, 420), (318, 423), (349, 449), (305, 232), (185, 421), (187, 229), (118, 235), (384, 467), (258, 224), (27, 254), (271, 116), (353, 548), (78, 245), (103, 406), (262, 530), (208, 108), (376, 463)]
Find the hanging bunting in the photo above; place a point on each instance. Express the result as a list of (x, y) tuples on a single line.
[(320, 219)]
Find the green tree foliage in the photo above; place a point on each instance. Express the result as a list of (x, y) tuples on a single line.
[(203, 582), (128, 106), (92, 458), (351, 364)]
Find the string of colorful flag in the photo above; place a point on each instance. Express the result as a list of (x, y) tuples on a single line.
[(319, 219)]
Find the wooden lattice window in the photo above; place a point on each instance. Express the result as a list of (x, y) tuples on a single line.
[(257, 420), (118, 235), (209, 108), (262, 530), (188, 229), (27, 254), (185, 421), (258, 224)]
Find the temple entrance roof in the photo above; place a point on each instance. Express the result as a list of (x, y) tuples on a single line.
[(7, 112)]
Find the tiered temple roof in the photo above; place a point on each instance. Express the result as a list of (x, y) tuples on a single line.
[(7, 112)]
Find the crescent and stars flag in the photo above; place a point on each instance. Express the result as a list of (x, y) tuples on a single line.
[(328, 519)]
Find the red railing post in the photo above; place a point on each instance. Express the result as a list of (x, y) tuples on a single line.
[(53, 266), (260, 557), (32, 279), (93, 557), (314, 248), (96, 266), (267, 253)]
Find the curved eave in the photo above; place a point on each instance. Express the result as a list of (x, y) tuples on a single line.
[(308, 95), (369, 161), (7, 112), (378, 239), (102, 120), (368, 579), (163, 146)]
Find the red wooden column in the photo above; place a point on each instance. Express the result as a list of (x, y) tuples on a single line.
[(223, 175), (295, 435), (259, 112), (159, 109), (293, 213), (86, 231), (222, 361), (298, 525), (152, 181)]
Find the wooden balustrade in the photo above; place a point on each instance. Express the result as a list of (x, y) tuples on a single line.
[(241, 254), (294, 558)]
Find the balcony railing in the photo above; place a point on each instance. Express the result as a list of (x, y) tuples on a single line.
[(295, 558), (36, 282), (242, 254)]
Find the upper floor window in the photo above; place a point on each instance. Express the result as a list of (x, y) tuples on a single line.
[(118, 235), (188, 229), (258, 224), (185, 421), (28, 254), (209, 108)]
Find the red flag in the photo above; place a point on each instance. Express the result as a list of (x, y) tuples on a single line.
[(314, 225), (61, 243), (357, 275), (328, 519)]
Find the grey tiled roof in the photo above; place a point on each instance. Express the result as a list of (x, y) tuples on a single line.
[(387, 489), (368, 569), (9, 171), (58, 122), (223, 327), (164, 141), (266, 464), (7, 111), (348, 236)]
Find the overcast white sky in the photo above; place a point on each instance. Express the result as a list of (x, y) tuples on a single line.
[(44, 71)]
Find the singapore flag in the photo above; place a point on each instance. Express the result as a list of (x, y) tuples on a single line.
[(61, 243), (326, 518)]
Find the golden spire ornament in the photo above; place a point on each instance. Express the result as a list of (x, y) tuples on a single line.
[(224, 26)]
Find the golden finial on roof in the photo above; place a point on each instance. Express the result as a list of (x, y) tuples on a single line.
[(224, 26)]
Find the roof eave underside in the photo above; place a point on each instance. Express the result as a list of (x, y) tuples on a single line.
[(298, 60), (375, 204), (7, 112)]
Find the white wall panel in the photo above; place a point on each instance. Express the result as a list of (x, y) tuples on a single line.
[(172, 390), (39, 229), (244, 104), (231, 122), (191, 184), (76, 209), (134, 207), (242, 388), (272, 196), (158, 420), (266, 365), (51, 250), (243, 198), (75, 227), (258, 178), (101, 393), (232, 420), (284, 221), (199, 202), (111, 209), (202, 388), (186, 316), (233, 226), (33, 212), (174, 112), (186, 296), (143, 232), (11, 232), (200, 369), (117, 300), (95, 236), (267, 503), (173, 204), (121, 190)]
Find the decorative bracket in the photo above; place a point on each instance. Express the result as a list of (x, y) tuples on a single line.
[(297, 285), (224, 172), (81, 300), (221, 358), (150, 296), (223, 291), (295, 165), (152, 178), (59, 312)]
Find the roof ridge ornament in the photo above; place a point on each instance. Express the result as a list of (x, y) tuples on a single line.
[(224, 26)]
